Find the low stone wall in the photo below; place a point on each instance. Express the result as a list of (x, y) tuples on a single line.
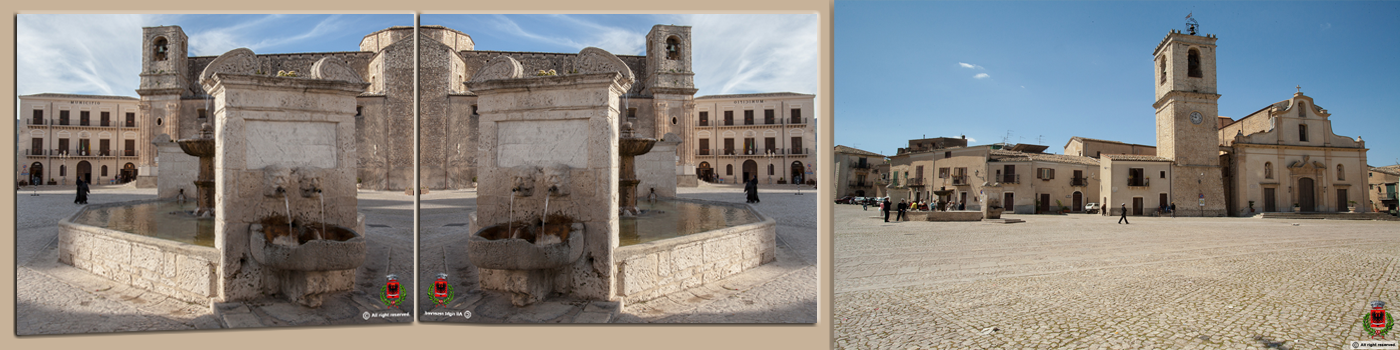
[(654, 269), (944, 216), (178, 270)]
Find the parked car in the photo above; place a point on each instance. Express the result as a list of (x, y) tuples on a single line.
[(1091, 208), (845, 200)]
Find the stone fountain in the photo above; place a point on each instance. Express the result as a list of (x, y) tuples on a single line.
[(202, 147), (629, 147)]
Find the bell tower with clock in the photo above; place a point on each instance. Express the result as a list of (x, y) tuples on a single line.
[(1186, 104)]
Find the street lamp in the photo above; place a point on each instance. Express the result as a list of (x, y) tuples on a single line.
[(64, 156)]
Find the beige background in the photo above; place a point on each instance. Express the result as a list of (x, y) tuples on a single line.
[(423, 335)]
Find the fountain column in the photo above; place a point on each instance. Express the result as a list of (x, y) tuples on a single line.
[(202, 147), (629, 147)]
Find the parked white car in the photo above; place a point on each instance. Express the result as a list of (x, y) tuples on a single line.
[(1091, 208)]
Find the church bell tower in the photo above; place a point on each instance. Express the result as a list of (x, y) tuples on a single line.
[(1186, 105)]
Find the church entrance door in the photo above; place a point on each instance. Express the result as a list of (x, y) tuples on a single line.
[(1306, 197)]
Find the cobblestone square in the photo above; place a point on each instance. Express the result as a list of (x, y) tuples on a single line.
[(1084, 282)]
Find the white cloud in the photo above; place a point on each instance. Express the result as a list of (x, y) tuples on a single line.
[(970, 66), (981, 76), (84, 54), (971, 140), (616, 40), (754, 53)]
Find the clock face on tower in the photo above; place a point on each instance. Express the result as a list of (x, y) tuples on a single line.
[(1196, 117)]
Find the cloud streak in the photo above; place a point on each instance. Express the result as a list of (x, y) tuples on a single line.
[(969, 65), (981, 76), (84, 54)]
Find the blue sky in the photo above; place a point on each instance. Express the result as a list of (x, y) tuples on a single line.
[(731, 53), (100, 54), (1046, 71)]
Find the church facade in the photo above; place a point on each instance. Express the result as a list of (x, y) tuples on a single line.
[(662, 102)]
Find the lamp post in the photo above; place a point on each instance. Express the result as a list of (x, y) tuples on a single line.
[(64, 156)]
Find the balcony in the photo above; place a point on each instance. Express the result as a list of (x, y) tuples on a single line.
[(915, 182), (861, 166), (129, 124), (129, 153), (704, 152), (36, 152), (703, 122), (1079, 182), (855, 183), (796, 151), (36, 121), (796, 120), (1011, 178), (960, 180), (1139, 182), (62, 121)]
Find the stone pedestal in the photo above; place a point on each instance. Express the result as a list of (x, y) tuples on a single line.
[(565, 129), (281, 143)]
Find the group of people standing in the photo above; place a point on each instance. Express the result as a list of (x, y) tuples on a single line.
[(751, 190), (83, 191)]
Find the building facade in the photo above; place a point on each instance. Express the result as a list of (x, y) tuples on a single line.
[(770, 136), (64, 137), (857, 173), (660, 103), (1381, 186)]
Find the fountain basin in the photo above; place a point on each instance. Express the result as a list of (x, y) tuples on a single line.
[(344, 251), (655, 268), (634, 146), (197, 147), (183, 267), (490, 248)]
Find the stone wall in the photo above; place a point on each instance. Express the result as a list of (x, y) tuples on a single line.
[(943, 216), (178, 270), (657, 169), (561, 63), (177, 171), (654, 269)]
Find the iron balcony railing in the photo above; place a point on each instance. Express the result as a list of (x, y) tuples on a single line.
[(129, 124), (860, 165), (1078, 181), (959, 180), (855, 183), (1011, 178), (1139, 182), (915, 182), (796, 120), (36, 121), (129, 153)]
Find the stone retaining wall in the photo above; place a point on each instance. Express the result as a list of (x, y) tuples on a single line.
[(654, 269), (178, 270), (944, 216)]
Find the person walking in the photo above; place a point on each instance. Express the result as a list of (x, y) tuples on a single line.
[(885, 205), (1124, 219), (1173, 209), (753, 190), (902, 207), (865, 204), (82, 192)]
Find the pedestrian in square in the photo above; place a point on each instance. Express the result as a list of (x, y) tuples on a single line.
[(886, 207), (1173, 209), (902, 207), (1124, 219)]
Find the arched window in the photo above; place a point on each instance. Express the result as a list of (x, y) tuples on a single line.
[(1341, 174), (1193, 63), (104, 170), (1162, 64), (1302, 132), (673, 48), (1301, 107), (160, 47), (1268, 170), (729, 169)]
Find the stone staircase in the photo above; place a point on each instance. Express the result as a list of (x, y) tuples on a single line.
[(1328, 216)]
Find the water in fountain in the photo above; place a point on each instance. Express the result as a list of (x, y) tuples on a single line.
[(288, 203), (323, 214)]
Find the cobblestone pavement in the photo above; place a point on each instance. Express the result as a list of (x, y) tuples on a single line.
[(53, 298), (1082, 281), (784, 291)]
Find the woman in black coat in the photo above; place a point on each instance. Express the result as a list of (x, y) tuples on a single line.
[(752, 189), (82, 192)]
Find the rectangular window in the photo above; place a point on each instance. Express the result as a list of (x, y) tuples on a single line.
[(131, 120), (85, 147), (749, 146), (919, 171), (704, 147), (796, 116), (1302, 132), (104, 147), (37, 147), (62, 145), (729, 146), (1162, 174), (704, 118), (943, 173), (201, 113), (38, 117), (728, 117), (83, 118), (1045, 173), (130, 149), (768, 116), (106, 118), (1136, 177), (770, 145), (796, 145), (632, 113), (1009, 174), (62, 117), (748, 117)]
